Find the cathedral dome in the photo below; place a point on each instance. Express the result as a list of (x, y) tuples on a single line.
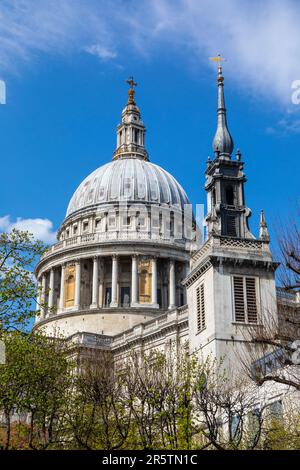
[(128, 180), (124, 246)]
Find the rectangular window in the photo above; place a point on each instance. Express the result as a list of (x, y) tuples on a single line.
[(245, 299), (127, 186), (200, 301), (111, 221), (251, 299), (126, 221), (239, 303), (276, 410), (85, 226), (231, 226), (141, 221)]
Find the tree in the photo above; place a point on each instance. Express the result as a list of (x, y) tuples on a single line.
[(289, 245), (227, 409), (282, 431), (18, 254), (179, 401), (97, 417), (145, 401), (159, 389), (35, 382)]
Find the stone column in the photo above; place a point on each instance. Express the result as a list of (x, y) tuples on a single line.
[(43, 296), (134, 282), (101, 294), (154, 283), (187, 270), (38, 295), (62, 289), (51, 292), (77, 284), (95, 289), (38, 301), (172, 286), (101, 284), (114, 282)]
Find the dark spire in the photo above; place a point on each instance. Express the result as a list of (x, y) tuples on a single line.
[(222, 143)]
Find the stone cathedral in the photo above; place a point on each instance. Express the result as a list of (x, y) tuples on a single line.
[(127, 270)]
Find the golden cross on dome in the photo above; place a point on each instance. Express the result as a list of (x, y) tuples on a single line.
[(131, 83)]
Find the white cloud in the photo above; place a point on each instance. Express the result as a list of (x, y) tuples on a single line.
[(4, 223), (284, 126), (261, 40), (29, 27), (100, 51), (42, 229)]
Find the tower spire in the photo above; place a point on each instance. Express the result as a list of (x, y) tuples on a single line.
[(227, 214), (222, 142), (131, 131), (263, 228)]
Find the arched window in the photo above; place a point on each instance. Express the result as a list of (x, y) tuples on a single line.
[(70, 289), (145, 287)]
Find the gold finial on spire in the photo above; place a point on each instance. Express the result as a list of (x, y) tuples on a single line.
[(219, 60), (131, 84)]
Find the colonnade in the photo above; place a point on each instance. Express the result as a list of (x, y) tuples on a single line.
[(45, 292)]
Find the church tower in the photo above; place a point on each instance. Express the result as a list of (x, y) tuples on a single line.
[(227, 214), (231, 285)]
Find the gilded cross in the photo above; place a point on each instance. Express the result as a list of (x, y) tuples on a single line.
[(131, 83)]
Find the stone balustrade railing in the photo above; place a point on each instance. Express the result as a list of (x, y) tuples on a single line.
[(93, 238), (89, 339), (177, 314)]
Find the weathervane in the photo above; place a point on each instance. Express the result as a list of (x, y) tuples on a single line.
[(219, 60)]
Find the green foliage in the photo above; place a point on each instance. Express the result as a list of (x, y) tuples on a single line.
[(159, 390), (96, 414), (145, 401), (282, 433), (35, 381), (18, 254)]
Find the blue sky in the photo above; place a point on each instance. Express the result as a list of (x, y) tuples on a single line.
[(65, 64)]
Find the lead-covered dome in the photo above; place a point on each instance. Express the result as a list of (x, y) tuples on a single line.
[(128, 179)]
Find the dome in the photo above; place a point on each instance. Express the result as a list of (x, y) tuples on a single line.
[(131, 180)]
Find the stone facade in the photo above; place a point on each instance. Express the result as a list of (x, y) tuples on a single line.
[(127, 273)]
